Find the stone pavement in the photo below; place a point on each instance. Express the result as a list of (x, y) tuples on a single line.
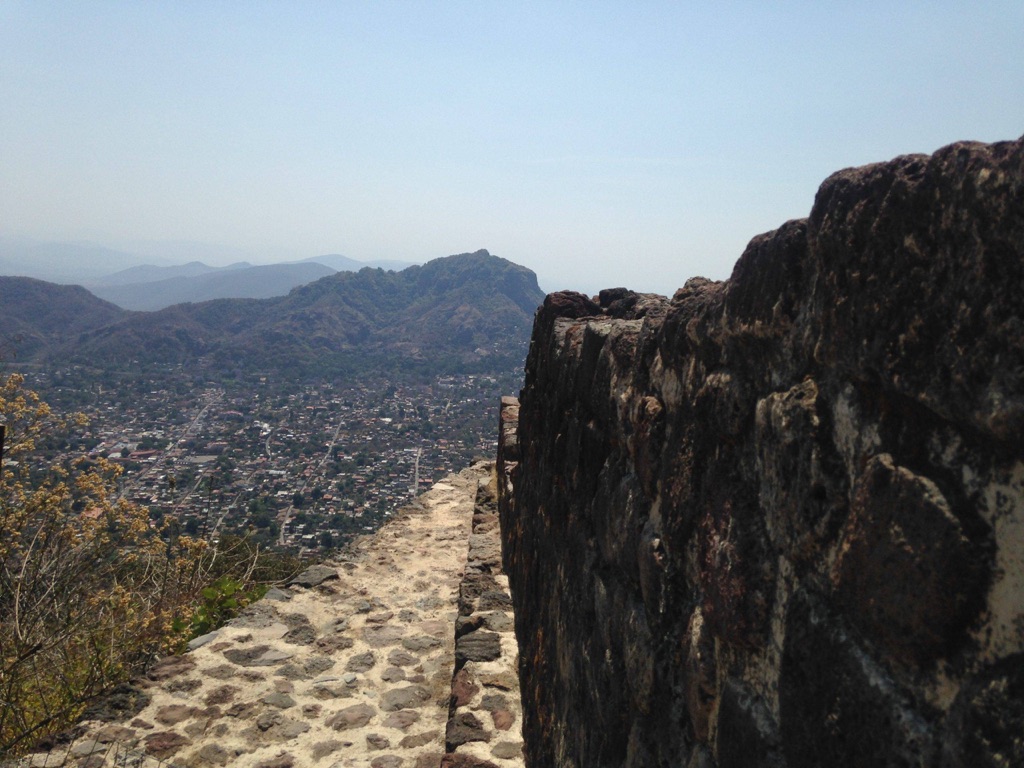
[(352, 664)]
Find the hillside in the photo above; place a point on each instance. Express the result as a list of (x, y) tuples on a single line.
[(37, 316), (471, 310)]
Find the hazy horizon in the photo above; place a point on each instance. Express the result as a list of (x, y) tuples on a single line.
[(599, 145)]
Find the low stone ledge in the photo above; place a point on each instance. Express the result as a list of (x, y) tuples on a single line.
[(485, 710)]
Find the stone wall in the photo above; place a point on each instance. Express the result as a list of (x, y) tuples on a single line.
[(779, 520)]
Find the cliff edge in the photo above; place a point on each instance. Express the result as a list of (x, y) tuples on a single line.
[(779, 520)]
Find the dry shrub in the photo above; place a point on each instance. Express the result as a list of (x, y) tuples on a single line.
[(90, 593)]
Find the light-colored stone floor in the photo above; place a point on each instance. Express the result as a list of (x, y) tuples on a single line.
[(351, 666)]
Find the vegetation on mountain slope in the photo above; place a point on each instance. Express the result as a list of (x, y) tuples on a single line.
[(36, 316), (465, 313)]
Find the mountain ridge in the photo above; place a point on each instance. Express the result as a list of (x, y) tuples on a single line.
[(151, 273), (232, 282), (93, 264), (466, 309), (340, 263)]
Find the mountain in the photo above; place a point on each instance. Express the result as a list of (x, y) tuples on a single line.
[(470, 310), (238, 281), (150, 273), (36, 316), (174, 251), (149, 288), (61, 262), (93, 265), (341, 263)]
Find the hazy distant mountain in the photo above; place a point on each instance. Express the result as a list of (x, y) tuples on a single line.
[(150, 273), (341, 263), (65, 263), (37, 317), (239, 281), (89, 264), (177, 251), (466, 310), (149, 288)]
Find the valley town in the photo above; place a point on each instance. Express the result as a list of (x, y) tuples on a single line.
[(301, 467)]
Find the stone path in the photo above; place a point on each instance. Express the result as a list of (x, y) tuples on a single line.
[(350, 665)]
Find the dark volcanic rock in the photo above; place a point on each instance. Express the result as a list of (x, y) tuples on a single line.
[(283, 760), (750, 524), (300, 634), (417, 740), (400, 658), (503, 719), (315, 576), (746, 732), (334, 643), (379, 637), (421, 643), (402, 719), (121, 703), (459, 760), (463, 689), (352, 717), (256, 656), (477, 646), (173, 714), (164, 744), (472, 589), (172, 666), (411, 696), (507, 750), (213, 754), (987, 720), (361, 662), (279, 700), (376, 741), (837, 707), (464, 728), (907, 572)]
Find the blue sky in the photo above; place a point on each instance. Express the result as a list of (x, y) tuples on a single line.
[(600, 144)]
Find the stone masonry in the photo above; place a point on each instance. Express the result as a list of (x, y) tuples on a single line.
[(351, 665), (485, 724), (778, 521)]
